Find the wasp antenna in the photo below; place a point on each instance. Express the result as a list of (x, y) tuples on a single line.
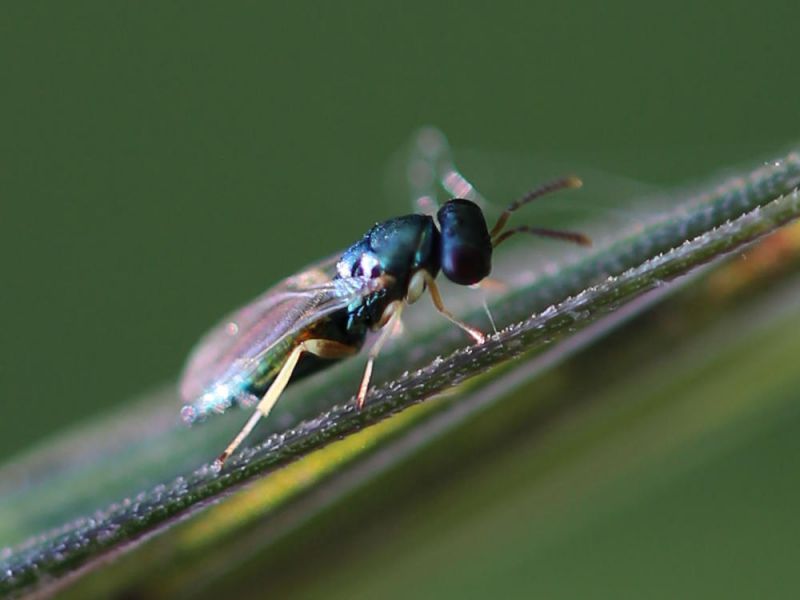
[(564, 183), (568, 236)]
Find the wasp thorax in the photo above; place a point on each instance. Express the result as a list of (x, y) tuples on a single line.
[(466, 246)]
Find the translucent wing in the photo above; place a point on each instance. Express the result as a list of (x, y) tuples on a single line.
[(235, 352)]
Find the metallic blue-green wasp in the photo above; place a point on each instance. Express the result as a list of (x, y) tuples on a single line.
[(323, 314)]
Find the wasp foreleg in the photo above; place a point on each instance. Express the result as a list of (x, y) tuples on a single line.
[(476, 334)]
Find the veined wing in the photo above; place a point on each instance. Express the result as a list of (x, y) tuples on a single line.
[(231, 355)]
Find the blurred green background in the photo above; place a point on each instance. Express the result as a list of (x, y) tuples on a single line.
[(163, 162)]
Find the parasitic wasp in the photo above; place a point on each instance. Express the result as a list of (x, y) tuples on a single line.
[(323, 314)]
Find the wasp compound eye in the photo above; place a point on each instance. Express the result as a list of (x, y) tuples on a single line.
[(466, 245)]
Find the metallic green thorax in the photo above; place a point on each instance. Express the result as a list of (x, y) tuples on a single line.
[(398, 247)]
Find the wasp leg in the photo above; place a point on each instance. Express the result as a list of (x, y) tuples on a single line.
[(476, 334), (388, 328), (490, 285), (320, 347)]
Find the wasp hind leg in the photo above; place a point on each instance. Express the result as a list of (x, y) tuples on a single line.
[(318, 347)]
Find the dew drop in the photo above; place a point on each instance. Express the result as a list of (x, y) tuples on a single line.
[(188, 414), (548, 312)]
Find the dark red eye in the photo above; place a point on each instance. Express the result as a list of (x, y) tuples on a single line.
[(465, 265), (466, 245)]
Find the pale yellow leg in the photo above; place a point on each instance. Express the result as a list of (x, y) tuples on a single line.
[(476, 334), (323, 348), (388, 328)]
